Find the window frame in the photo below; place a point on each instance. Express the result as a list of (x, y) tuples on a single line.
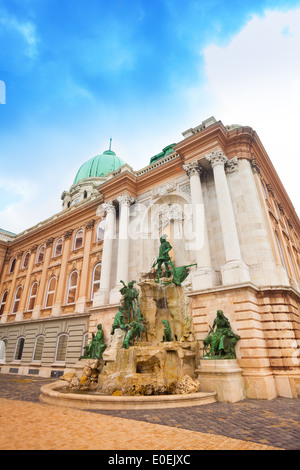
[(55, 254), (73, 288), (3, 302), (56, 360), (93, 279), (75, 239), (13, 310), (12, 265), (32, 297), (39, 253), (27, 254), (50, 292), (4, 339), (34, 348), (18, 359)]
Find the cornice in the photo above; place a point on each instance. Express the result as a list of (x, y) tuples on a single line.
[(241, 142), (269, 174), (171, 169), (198, 145), (123, 181), (135, 183), (59, 221)]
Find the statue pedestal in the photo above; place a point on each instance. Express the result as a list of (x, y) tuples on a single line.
[(223, 376), (117, 339)]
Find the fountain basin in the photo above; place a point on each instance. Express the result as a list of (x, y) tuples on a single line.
[(52, 394)]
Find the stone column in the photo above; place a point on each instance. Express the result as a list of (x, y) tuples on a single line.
[(123, 251), (59, 300), (205, 276), (84, 275), (123, 246), (102, 296), (234, 271)]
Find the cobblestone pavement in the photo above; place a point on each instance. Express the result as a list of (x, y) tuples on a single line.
[(248, 424)]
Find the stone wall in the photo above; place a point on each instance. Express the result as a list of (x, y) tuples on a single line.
[(268, 323)]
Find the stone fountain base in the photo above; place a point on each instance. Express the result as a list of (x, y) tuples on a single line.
[(150, 369), (52, 394)]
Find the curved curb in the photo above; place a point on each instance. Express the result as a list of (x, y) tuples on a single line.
[(51, 395)]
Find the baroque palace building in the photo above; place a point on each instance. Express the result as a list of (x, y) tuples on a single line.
[(61, 278)]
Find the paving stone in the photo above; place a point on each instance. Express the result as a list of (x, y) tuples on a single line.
[(249, 424)]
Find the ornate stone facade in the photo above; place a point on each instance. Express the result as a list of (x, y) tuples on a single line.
[(219, 201)]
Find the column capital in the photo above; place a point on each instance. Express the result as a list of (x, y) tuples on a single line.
[(231, 165), (193, 168), (49, 241), (254, 165), (68, 234), (108, 207), (125, 200), (217, 157), (90, 224)]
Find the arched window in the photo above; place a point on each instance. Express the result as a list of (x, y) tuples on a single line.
[(16, 300), (32, 296), (100, 230), (61, 348), (26, 260), (281, 252), (78, 240), (96, 279), (3, 301), (41, 254), (12, 265), (38, 348), (50, 292), (19, 348), (72, 286), (58, 247)]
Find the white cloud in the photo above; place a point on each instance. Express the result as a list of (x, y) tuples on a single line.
[(27, 30), (255, 81)]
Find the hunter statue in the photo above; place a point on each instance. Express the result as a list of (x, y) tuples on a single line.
[(163, 257), (131, 301), (177, 274), (220, 341)]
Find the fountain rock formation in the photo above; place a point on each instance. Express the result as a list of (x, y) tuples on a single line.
[(152, 349)]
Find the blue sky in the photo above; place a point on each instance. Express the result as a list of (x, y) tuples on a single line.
[(79, 72)]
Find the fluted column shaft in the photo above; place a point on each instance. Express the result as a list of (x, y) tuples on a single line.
[(230, 237), (235, 270), (123, 249), (109, 235), (203, 258)]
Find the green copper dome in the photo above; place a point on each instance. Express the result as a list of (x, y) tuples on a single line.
[(98, 166)]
